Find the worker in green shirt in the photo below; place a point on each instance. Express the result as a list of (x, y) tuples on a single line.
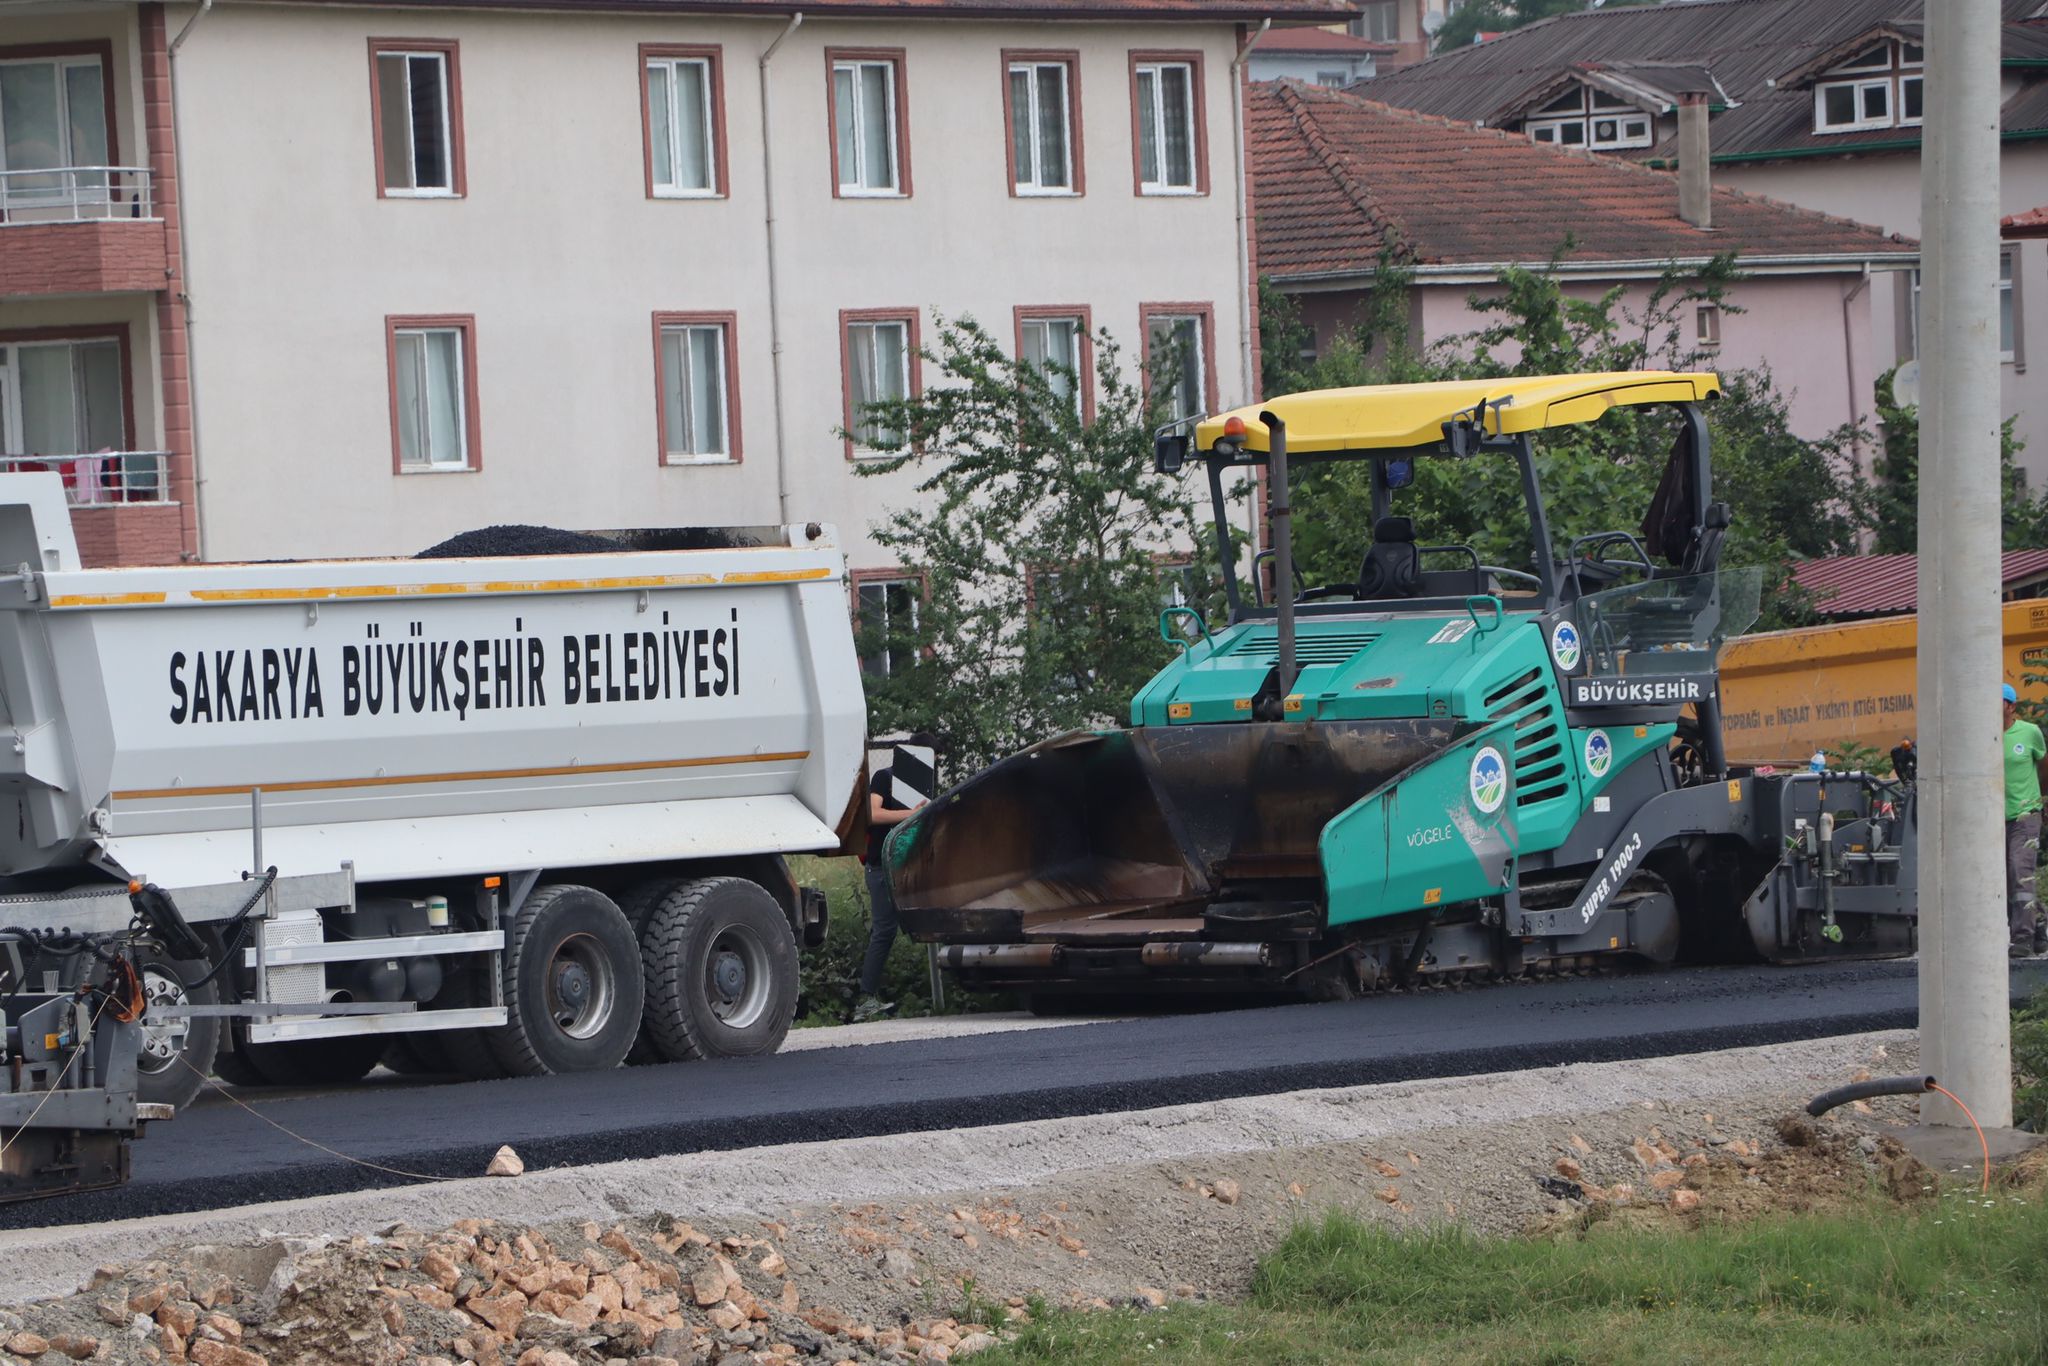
[(2026, 761)]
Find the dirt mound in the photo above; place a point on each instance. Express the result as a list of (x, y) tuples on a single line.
[(516, 540), (1815, 1170)]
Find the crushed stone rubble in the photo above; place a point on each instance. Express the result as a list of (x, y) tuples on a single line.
[(942, 1276), (651, 1293)]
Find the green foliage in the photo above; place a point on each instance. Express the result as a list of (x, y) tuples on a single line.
[(2030, 1064), (1955, 1280), (1893, 508), (1790, 498), (1038, 535)]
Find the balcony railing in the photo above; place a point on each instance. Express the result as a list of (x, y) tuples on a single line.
[(75, 194), (103, 478)]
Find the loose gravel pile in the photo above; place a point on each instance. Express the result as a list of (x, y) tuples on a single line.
[(650, 1293), (516, 540)]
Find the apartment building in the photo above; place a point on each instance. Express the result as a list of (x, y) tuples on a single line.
[(306, 279)]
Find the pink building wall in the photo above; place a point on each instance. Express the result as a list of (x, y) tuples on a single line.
[(1813, 332)]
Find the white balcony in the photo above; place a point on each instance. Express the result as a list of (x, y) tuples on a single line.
[(104, 478), (76, 194)]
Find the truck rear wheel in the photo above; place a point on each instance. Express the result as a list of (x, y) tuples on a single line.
[(313, 1062), (162, 1076), (721, 970), (638, 907), (572, 985)]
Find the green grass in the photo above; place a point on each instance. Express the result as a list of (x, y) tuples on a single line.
[(1963, 1278)]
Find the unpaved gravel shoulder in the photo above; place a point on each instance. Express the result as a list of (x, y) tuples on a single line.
[(1170, 1203)]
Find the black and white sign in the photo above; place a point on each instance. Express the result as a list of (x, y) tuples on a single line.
[(1650, 690)]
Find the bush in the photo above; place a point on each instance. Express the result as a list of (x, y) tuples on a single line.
[(831, 972), (2030, 1064)]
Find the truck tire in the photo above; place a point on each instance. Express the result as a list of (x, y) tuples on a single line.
[(230, 1066), (638, 906), (172, 1065), (313, 1062), (416, 1055), (572, 985), (721, 970)]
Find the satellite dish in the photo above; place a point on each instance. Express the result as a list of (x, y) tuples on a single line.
[(1906, 385), (1433, 22)]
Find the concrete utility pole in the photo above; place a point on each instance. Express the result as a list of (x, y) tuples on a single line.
[(1965, 1033)]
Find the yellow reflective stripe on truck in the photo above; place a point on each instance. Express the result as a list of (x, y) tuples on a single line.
[(106, 599), (346, 592), (481, 775)]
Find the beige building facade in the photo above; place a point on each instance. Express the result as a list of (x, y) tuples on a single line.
[(424, 270)]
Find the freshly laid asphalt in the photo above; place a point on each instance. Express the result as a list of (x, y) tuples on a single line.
[(219, 1155)]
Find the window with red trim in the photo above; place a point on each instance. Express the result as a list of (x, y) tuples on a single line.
[(416, 115), (433, 394), (684, 93), (694, 370)]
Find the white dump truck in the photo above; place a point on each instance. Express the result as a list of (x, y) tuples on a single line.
[(495, 815)]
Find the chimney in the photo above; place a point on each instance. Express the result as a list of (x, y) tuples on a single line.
[(1695, 176)]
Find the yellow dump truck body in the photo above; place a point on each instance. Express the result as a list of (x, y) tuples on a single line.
[(1785, 694)]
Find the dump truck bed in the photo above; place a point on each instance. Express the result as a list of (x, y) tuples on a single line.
[(422, 717)]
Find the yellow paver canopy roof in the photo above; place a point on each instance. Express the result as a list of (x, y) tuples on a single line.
[(1397, 416)]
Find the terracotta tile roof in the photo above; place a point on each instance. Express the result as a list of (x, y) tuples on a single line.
[(1321, 40), (1877, 585), (1183, 11), (2032, 223), (1338, 178), (1757, 50)]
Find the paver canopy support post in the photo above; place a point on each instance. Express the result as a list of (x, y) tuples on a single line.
[(1966, 1037)]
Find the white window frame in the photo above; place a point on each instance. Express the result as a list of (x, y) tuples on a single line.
[(431, 465), (2008, 290), (1333, 79), (13, 417), (1079, 328), (871, 327), (67, 156), (1032, 183), (1157, 72), (1549, 127), (913, 588), (416, 191), (1197, 401), (1892, 74), (681, 377), (1707, 326), (2009, 305), (852, 179), (712, 151)]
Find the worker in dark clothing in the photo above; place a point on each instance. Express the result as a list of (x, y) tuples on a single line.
[(885, 813), (1905, 760)]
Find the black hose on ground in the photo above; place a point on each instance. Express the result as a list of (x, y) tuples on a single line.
[(1864, 1090)]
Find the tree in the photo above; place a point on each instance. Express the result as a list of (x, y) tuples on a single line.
[(1893, 508), (1044, 540), (1791, 499)]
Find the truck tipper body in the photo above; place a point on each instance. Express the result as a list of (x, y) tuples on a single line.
[(528, 811), (1787, 694)]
